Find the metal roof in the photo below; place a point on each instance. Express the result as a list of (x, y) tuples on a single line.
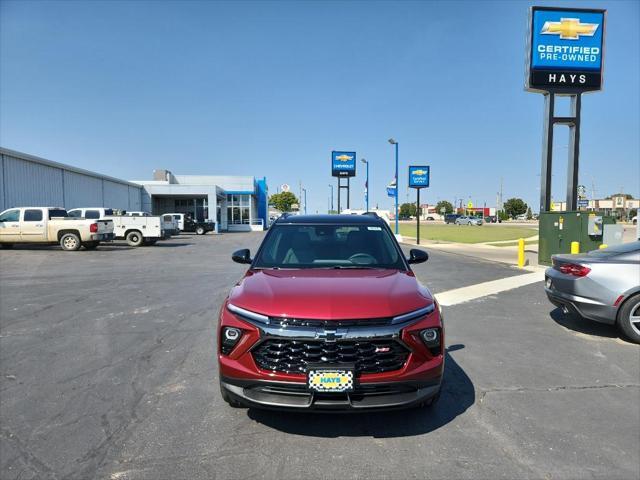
[(50, 163)]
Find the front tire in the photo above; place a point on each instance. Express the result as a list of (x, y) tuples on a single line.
[(200, 231), (135, 238), (629, 319), (70, 242)]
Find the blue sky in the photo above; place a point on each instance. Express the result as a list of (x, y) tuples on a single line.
[(270, 88)]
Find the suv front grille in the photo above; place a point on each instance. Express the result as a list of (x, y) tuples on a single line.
[(293, 356)]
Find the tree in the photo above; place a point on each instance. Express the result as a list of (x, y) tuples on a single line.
[(283, 201), (407, 210), (444, 204), (529, 213), (515, 206)]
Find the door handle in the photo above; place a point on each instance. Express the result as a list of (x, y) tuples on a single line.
[(39, 225), (15, 226)]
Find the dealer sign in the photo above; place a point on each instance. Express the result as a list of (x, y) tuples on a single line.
[(566, 49)]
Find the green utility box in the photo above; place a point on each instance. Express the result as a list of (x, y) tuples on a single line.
[(559, 229)]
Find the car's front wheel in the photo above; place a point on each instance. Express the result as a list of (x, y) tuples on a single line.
[(629, 319), (200, 231)]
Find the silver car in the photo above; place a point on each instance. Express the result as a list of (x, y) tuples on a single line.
[(464, 220), (602, 285)]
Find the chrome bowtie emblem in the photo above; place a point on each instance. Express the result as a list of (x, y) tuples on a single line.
[(330, 335)]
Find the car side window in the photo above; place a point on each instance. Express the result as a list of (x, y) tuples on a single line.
[(92, 214), (10, 216), (33, 215), (75, 213)]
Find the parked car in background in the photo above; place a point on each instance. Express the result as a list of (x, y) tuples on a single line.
[(521, 217), (52, 225), (137, 230), (466, 220), (602, 285), (492, 219), (170, 224), (187, 224), (451, 217)]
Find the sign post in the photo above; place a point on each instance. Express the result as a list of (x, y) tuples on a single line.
[(343, 164), (419, 176), (565, 54)]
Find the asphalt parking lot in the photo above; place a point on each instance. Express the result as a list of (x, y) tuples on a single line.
[(108, 370)]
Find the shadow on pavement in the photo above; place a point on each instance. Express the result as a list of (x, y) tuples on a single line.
[(458, 394), (103, 247), (575, 322), (166, 244)]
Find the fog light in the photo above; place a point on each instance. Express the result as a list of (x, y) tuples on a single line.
[(230, 338), (431, 339)]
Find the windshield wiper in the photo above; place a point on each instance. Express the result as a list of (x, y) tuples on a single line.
[(360, 267)]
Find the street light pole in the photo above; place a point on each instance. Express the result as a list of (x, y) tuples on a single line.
[(304, 191), (366, 192), (393, 142), (331, 187)]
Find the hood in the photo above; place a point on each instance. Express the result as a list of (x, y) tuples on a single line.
[(330, 294)]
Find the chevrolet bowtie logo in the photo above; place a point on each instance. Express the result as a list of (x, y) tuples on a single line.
[(569, 28), (344, 158)]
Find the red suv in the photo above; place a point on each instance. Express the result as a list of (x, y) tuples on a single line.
[(330, 316)]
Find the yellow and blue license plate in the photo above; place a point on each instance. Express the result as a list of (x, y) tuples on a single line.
[(330, 380)]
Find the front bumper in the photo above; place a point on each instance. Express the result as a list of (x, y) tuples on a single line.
[(295, 396), (415, 381)]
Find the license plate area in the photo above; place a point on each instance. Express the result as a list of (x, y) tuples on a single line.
[(330, 380)]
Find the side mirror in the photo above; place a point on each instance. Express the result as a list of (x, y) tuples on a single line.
[(417, 256), (242, 256)]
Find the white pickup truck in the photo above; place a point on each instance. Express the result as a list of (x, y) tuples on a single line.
[(52, 225), (135, 229), (169, 224)]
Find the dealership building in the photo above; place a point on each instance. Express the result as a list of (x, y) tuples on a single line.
[(235, 203)]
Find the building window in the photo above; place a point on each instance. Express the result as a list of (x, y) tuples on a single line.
[(238, 209)]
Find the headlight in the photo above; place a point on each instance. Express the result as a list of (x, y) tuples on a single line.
[(432, 340), (230, 338)]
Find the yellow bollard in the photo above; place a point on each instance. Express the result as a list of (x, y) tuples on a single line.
[(521, 253), (602, 245), (575, 247)]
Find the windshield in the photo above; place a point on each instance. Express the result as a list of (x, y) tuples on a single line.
[(57, 212), (329, 246)]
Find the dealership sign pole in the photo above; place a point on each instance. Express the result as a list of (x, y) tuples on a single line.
[(565, 56), (343, 164), (418, 179)]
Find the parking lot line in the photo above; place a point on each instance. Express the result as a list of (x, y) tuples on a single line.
[(473, 292)]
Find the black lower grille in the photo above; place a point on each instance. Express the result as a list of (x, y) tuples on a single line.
[(293, 356)]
